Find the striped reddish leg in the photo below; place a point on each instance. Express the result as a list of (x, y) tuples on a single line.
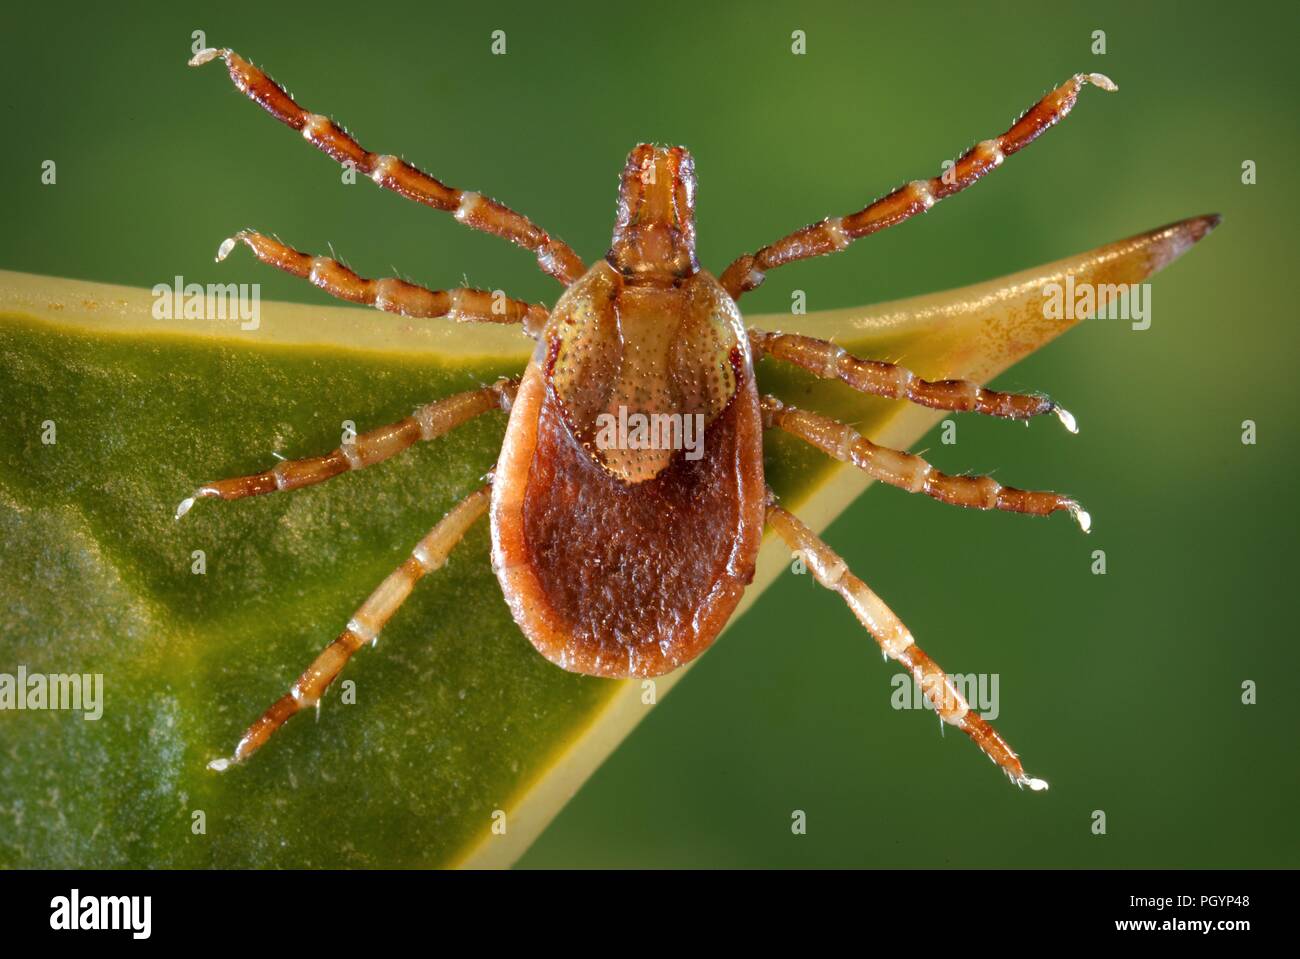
[(896, 642), (390, 294), (365, 625), (909, 471), (828, 361), (835, 233), (555, 257), (426, 423)]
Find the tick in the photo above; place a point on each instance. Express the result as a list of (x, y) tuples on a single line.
[(621, 548)]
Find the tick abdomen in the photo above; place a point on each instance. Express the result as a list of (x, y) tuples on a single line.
[(620, 557), (613, 578)]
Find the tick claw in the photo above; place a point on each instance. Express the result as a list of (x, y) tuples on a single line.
[(206, 55), (227, 245), (220, 765), (1102, 81), (1067, 418), (1037, 785), (188, 502), (1082, 517)]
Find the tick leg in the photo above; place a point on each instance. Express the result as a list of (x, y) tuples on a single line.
[(426, 423), (364, 626), (835, 233), (555, 257), (824, 359), (390, 294), (910, 472), (896, 642)]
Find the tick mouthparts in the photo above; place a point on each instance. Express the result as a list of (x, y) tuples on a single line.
[(655, 229)]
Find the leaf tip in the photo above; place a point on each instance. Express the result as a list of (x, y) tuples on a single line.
[(1168, 243)]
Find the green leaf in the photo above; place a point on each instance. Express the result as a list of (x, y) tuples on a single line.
[(455, 716)]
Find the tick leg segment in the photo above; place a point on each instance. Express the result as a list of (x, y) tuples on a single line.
[(426, 423), (828, 361), (835, 233), (896, 642), (555, 257), (910, 472), (390, 294), (364, 626)]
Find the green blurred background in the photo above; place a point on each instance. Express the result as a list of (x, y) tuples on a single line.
[(1124, 690)]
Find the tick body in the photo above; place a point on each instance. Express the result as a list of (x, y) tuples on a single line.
[(628, 562), (624, 554)]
